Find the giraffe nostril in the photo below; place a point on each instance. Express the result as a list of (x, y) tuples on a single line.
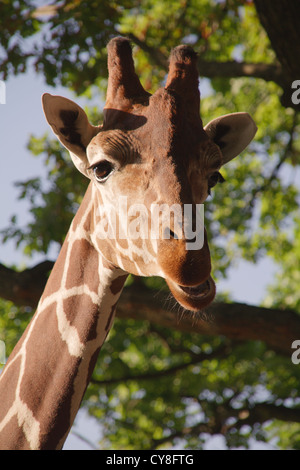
[(168, 233)]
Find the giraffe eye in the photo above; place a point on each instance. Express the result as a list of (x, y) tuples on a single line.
[(213, 179), (102, 170)]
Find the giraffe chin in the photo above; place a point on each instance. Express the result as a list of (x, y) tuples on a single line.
[(194, 297)]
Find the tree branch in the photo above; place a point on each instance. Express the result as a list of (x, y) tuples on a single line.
[(222, 352), (84, 439), (283, 34), (284, 38), (155, 54), (214, 68), (217, 424), (230, 69), (278, 328), (242, 322), (24, 288), (262, 412)]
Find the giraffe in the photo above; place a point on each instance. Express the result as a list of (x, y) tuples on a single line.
[(149, 148)]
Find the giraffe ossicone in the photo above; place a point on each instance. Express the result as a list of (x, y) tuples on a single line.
[(150, 151)]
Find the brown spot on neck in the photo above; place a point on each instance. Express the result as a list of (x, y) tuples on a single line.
[(117, 284)]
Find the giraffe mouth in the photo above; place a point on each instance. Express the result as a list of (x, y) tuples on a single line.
[(196, 291), (194, 297)]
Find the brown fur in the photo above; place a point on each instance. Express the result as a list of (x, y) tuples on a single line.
[(160, 154)]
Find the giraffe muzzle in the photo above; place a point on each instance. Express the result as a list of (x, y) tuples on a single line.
[(197, 291), (195, 297)]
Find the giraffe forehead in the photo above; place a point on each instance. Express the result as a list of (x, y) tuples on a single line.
[(116, 143), (173, 128), (162, 128), (165, 109)]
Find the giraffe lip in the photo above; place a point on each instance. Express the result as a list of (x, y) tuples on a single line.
[(195, 297), (200, 290)]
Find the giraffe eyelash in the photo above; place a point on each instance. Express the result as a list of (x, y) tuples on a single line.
[(103, 170), (215, 178)]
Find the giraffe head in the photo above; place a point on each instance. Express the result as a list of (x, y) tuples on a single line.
[(152, 151)]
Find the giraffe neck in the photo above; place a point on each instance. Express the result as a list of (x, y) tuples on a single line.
[(43, 383)]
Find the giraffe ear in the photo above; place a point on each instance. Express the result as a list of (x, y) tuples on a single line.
[(232, 133), (70, 124)]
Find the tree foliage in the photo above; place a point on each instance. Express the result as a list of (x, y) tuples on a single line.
[(155, 387)]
